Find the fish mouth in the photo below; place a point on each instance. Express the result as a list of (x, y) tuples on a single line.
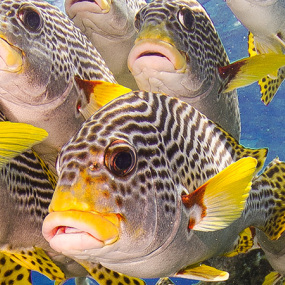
[(92, 6), (157, 54), (72, 232), (11, 57)]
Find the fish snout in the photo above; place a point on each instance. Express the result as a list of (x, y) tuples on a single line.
[(73, 232)]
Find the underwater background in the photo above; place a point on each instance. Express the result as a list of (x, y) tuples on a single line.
[(262, 126)]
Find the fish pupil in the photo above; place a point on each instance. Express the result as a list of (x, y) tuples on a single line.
[(30, 18), (186, 18), (123, 161)]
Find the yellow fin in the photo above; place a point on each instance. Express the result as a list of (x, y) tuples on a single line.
[(13, 273), (251, 45), (101, 273), (272, 278), (269, 86), (202, 272), (97, 93), (252, 69), (220, 201), (271, 185), (164, 281), (16, 138), (36, 259), (244, 243)]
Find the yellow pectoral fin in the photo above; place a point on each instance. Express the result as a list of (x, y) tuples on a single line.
[(220, 201), (13, 273), (252, 69), (203, 272), (98, 93), (101, 274), (36, 259), (272, 278), (16, 138)]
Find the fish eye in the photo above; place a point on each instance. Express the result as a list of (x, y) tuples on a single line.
[(186, 18), (120, 158), (30, 18)]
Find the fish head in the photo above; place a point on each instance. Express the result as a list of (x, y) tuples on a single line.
[(33, 55), (177, 49), (115, 192)]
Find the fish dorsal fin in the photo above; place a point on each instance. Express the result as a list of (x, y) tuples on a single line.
[(36, 259), (252, 69), (97, 93), (268, 196), (272, 278), (102, 274), (220, 201), (16, 138), (202, 272), (245, 242), (13, 273)]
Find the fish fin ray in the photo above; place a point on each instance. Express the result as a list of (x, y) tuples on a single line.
[(98, 93), (36, 259), (16, 138), (202, 272), (272, 278), (220, 201), (97, 270)]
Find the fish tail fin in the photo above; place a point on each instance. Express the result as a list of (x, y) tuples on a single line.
[(266, 201), (104, 275), (245, 242), (96, 94), (13, 273), (35, 259), (16, 138), (220, 201)]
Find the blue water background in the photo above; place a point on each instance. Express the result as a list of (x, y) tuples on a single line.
[(262, 126)]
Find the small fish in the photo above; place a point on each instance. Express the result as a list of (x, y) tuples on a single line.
[(265, 21), (109, 25), (41, 53), (149, 178), (27, 187)]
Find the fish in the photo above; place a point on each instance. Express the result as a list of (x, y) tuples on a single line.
[(178, 52), (27, 186), (149, 178), (265, 21), (109, 25), (42, 53)]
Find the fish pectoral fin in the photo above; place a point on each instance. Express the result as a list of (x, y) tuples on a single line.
[(101, 274), (220, 201), (202, 272), (164, 281), (252, 69), (36, 259), (16, 138), (271, 184), (98, 93), (244, 243), (13, 273), (272, 278)]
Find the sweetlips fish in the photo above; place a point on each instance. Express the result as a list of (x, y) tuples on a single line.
[(265, 21), (148, 180), (27, 187), (178, 52), (109, 25), (41, 53)]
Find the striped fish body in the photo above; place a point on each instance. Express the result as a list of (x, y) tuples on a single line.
[(129, 170), (42, 51), (109, 25), (178, 52)]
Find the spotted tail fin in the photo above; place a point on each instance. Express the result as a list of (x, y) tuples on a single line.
[(266, 202)]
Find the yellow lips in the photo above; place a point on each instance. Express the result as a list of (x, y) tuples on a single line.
[(102, 227), (12, 57)]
